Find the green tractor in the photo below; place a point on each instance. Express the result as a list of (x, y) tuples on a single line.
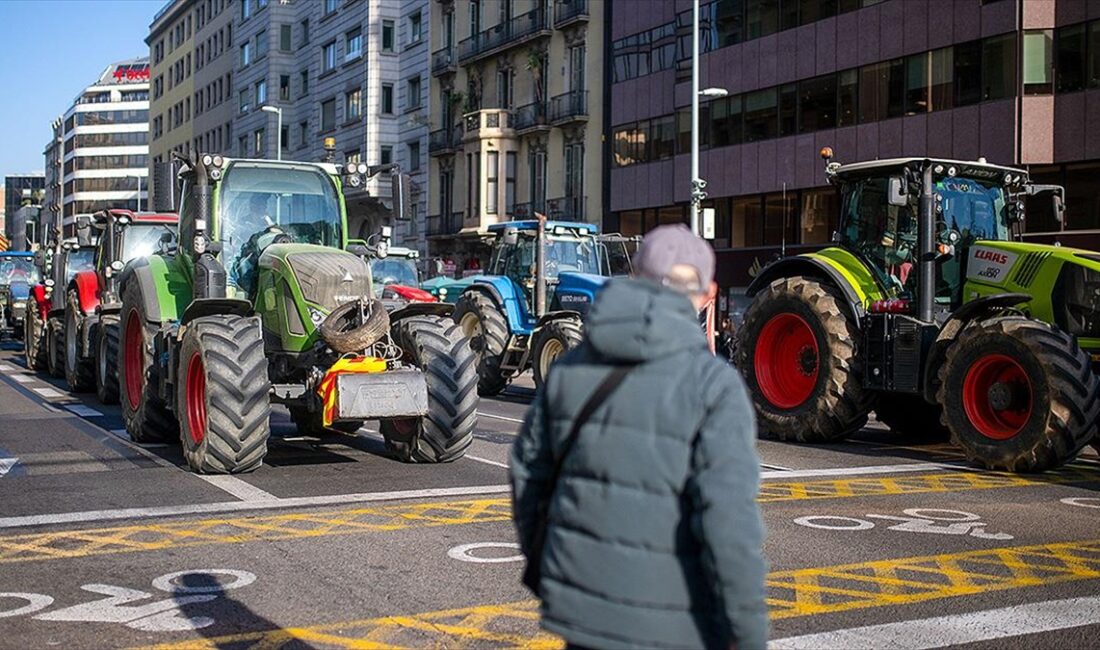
[(928, 310), (264, 299)]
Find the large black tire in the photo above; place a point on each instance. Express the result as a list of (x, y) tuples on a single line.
[(79, 371), (1018, 395), (35, 349), (912, 417), (55, 348), (797, 351), (438, 347), (487, 330), (309, 423), (106, 361), (553, 340), (223, 395), (146, 415)]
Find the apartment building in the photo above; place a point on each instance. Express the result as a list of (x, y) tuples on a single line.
[(1014, 81), (104, 144), (214, 105), (172, 56), (516, 103)]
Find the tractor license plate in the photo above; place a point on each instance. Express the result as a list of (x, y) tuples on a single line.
[(367, 396)]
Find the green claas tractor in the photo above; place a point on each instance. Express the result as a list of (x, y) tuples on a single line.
[(928, 310), (265, 300)]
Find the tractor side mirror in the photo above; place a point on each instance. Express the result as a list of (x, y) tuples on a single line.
[(510, 237), (1059, 209), (401, 193), (39, 259), (169, 242), (898, 191), (164, 187)]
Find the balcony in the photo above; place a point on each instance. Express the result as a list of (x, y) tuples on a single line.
[(489, 123), (532, 117), (569, 107), (567, 12), (529, 26), (443, 61), (527, 210), (566, 208), (444, 141), (440, 225)]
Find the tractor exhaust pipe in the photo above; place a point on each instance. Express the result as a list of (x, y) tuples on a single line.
[(540, 266), (927, 247)]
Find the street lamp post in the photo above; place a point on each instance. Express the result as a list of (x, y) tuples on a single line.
[(278, 129), (138, 177), (697, 183)]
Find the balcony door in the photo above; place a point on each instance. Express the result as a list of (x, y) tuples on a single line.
[(576, 68)]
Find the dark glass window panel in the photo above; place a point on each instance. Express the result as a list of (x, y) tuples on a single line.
[(683, 131), (748, 222), (1083, 196), (642, 148), (1038, 62), (811, 11), (968, 73), (999, 67), (663, 131), (818, 216), (848, 5), (788, 14), (761, 18), (788, 110), (730, 21), (895, 88), (1069, 59), (780, 218), (1039, 216), (761, 115), (873, 92), (917, 88), (817, 104), (942, 91), (847, 97), (1094, 54), (720, 123)]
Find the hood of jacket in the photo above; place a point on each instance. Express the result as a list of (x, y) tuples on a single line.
[(636, 320)]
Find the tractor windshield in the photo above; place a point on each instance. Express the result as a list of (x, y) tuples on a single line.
[(17, 269), (884, 235), (142, 240), (563, 253), (973, 208), (82, 259), (393, 270)]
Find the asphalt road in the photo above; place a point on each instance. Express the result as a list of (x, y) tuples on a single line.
[(877, 542)]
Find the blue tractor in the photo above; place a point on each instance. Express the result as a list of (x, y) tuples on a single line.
[(530, 307)]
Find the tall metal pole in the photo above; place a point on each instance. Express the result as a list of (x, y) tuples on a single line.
[(279, 135), (138, 177), (695, 198)]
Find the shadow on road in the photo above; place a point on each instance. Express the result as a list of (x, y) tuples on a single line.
[(223, 615)]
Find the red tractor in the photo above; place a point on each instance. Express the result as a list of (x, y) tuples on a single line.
[(92, 301)]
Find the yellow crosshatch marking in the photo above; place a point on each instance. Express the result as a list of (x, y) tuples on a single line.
[(801, 592), (175, 534)]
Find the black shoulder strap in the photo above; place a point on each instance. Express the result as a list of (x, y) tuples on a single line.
[(598, 397)]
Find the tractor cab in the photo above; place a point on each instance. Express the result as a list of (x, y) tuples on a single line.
[(397, 278), (125, 235)]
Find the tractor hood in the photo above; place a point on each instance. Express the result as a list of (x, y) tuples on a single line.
[(577, 291)]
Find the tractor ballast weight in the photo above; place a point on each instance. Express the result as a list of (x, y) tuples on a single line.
[(266, 300), (928, 311)]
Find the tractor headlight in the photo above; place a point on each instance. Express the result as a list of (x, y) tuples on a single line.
[(316, 316), (200, 244), (1077, 304)]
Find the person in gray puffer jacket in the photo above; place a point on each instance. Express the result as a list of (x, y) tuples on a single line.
[(654, 538)]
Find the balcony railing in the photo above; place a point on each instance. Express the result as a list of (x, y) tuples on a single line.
[(528, 210), (531, 116), (444, 141), (443, 61), (566, 208), (487, 118), (569, 106), (512, 32), (444, 224), (569, 11)]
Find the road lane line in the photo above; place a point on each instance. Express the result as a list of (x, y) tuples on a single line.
[(857, 470), (48, 393), (22, 379), (244, 506), (499, 417), (778, 468), (942, 631), (83, 411), (236, 487), (494, 463)]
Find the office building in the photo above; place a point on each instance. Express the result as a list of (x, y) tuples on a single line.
[(20, 190), (1014, 81), (516, 104), (172, 56)]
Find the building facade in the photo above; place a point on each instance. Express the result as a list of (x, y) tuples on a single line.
[(172, 56), (516, 104), (215, 57), (1014, 81), (20, 190)]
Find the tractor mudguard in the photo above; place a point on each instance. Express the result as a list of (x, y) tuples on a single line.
[(212, 306), (839, 268), (165, 286), (86, 285), (41, 302), (971, 311), (422, 309), (507, 296), (558, 315)]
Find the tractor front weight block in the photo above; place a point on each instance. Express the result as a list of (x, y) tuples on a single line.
[(378, 395)]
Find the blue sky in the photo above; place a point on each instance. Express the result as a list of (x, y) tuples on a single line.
[(51, 50)]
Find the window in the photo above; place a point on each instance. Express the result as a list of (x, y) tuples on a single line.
[(1038, 62), (817, 104), (304, 78), (817, 219), (387, 36), (916, 83), (762, 18), (330, 6), (1070, 59), (574, 180), (537, 169), (780, 220), (246, 54), (353, 105), (387, 99), (968, 73), (242, 146), (305, 33), (788, 110), (1094, 55), (416, 28), (509, 182), (761, 116), (303, 133), (246, 9), (245, 101), (261, 43), (881, 91), (258, 142), (328, 114), (504, 88), (284, 38), (328, 57), (999, 67), (284, 87), (847, 97), (942, 88), (284, 137), (413, 98), (492, 181), (414, 155), (353, 44), (261, 93), (386, 154)]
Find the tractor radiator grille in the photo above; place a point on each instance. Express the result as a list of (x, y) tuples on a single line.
[(331, 279), (1029, 268)]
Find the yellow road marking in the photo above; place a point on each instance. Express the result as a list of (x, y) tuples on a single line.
[(160, 536), (801, 592)]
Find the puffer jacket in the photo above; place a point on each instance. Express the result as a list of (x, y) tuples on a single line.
[(654, 538)]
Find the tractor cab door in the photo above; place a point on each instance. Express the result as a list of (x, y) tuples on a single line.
[(969, 211), (882, 233), (516, 260)]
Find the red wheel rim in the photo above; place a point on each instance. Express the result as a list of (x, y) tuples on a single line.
[(196, 398), (988, 376), (786, 361), (134, 360)]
